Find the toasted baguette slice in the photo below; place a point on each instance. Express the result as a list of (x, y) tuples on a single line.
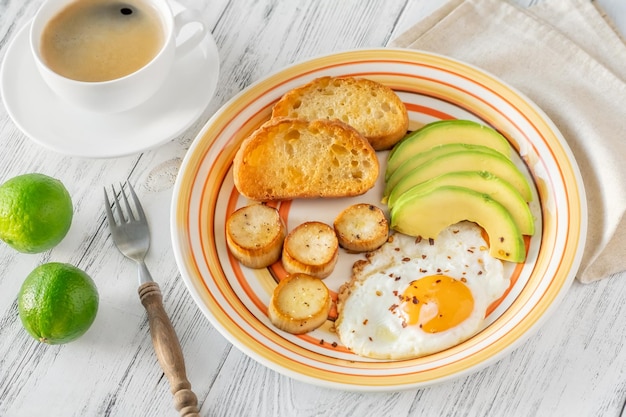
[(291, 158), (255, 235), (361, 228), (311, 248), (299, 304), (373, 109)]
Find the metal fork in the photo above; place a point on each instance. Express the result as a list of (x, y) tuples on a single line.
[(131, 235)]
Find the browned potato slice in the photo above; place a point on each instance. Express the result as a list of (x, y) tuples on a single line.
[(300, 303), (255, 235), (311, 248), (361, 228)]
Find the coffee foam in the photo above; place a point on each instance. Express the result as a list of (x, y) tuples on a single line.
[(100, 40)]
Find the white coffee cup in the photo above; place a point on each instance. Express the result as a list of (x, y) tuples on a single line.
[(128, 91)]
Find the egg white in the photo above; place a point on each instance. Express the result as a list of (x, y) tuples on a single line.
[(370, 322)]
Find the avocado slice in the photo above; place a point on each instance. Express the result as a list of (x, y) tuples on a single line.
[(442, 132), (434, 152), (485, 183), (425, 214), (471, 160)]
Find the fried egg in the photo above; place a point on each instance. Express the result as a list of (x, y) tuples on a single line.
[(413, 297)]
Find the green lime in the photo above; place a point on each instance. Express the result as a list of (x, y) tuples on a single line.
[(35, 212), (57, 303)]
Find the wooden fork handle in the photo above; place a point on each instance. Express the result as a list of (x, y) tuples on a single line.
[(168, 350)]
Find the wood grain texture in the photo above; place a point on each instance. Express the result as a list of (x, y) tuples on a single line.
[(167, 349), (574, 364)]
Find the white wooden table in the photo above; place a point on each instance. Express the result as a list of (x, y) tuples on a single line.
[(575, 365)]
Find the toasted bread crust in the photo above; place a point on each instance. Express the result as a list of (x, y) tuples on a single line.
[(373, 109), (292, 158)]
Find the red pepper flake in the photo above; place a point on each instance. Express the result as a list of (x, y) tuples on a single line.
[(439, 270), (365, 322), (463, 279), (431, 241), (423, 270), (334, 344), (321, 341), (406, 259), (502, 239), (415, 300), (423, 256), (470, 251), (418, 239), (480, 272), (393, 307), (370, 338), (398, 278)]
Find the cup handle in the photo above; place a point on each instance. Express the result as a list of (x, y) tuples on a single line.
[(182, 19)]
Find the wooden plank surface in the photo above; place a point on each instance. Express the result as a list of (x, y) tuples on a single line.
[(574, 365)]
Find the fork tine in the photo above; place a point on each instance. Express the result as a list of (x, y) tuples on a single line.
[(107, 207), (140, 212), (129, 210), (117, 206)]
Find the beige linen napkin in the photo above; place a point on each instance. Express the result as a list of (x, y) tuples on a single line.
[(566, 58)]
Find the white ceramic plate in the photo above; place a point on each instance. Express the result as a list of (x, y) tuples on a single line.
[(54, 124), (234, 298)]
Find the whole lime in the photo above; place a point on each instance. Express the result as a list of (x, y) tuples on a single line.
[(35, 212), (57, 303)]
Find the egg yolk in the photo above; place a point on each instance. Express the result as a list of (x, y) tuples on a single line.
[(437, 303)]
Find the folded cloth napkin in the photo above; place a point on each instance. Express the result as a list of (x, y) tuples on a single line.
[(565, 57)]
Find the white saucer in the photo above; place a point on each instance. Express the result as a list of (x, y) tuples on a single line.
[(57, 125)]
